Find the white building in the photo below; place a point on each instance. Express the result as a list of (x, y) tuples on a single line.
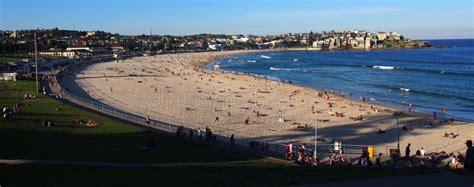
[(243, 40), (8, 77), (58, 53), (215, 46)]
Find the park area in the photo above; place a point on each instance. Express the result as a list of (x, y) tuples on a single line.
[(59, 147)]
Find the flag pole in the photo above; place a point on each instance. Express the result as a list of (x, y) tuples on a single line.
[(315, 140)]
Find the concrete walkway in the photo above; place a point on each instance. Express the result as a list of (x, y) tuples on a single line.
[(443, 179), (81, 163)]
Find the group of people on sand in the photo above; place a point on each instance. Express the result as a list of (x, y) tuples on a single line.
[(337, 114), (450, 135), (457, 161)]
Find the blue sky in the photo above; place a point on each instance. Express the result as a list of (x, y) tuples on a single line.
[(414, 18)]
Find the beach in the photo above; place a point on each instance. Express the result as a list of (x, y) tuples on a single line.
[(175, 88)]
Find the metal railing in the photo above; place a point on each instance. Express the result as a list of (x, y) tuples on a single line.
[(171, 126)]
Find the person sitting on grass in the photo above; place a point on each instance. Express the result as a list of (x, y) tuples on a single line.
[(150, 144), (91, 123), (6, 112), (50, 123), (47, 123)]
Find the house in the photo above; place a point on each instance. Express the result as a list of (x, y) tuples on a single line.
[(8, 77), (394, 36), (90, 33), (381, 36), (215, 46), (354, 43)]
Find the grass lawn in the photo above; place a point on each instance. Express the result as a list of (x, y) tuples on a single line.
[(23, 137), (225, 175), (4, 59)]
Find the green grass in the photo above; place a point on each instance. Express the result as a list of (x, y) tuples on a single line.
[(236, 175), (23, 137), (4, 59)]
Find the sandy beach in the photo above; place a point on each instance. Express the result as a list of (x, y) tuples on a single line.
[(175, 88)]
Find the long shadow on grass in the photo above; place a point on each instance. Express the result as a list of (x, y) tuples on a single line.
[(113, 148)]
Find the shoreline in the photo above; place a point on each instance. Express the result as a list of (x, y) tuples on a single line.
[(394, 107), (183, 68)]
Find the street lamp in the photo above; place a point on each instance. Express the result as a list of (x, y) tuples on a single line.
[(398, 114), (315, 140), (36, 65)]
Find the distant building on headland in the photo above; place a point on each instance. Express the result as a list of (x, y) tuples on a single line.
[(77, 44)]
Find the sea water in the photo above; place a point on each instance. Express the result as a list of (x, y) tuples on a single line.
[(428, 79)]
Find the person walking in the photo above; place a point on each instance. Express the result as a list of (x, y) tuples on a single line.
[(378, 160), (232, 141), (469, 158), (191, 134), (407, 150), (147, 119), (199, 131)]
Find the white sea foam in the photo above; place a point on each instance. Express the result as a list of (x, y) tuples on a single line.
[(405, 89), (284, 69), (266, 57), (385, 67)]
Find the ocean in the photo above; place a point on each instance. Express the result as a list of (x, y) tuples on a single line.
[(428, 79)]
